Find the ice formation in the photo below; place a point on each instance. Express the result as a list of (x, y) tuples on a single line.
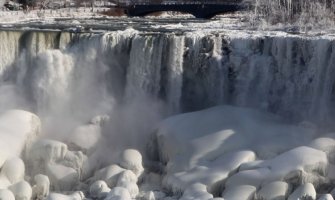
[(100, 99)]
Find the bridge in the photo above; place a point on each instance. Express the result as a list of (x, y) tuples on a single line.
[(205, 9)]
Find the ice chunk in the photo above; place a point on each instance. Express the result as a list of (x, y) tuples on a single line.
[(305, 191), (18, 129), (132, 159), (327, 145), (212, 174), (109, 174), (253, 177), (276, 190), (6, 194), (13, 170), (75, 196), (326, 197), (118, 193), (21, 190), (99, 189), (41, 187), (62, 178), (196, 191), (241, 192), (130, 186)]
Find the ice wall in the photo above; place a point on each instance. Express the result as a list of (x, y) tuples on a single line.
[(285, 74)]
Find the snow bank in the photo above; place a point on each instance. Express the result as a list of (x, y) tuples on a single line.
[(194, 144)]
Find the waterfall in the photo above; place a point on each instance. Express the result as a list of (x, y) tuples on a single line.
[(85, 74)]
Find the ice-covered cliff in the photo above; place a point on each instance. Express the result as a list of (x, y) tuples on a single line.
[(285, 74)]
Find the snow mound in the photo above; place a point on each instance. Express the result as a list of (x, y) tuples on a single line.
[(305, 191), (276, 190), (242, 192), (196, 191)]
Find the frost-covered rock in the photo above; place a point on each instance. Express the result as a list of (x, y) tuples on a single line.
[(75, 160), (85, 138), (326, 145), (253, 177), (305, 191), (241, 192), (21, 190), (108, 174), (127, 176), (299, 165), (6, 194), (62, 178), (18, 129), (41, 187), (276, 190), (13, 169), (153, 195), (118, 193), (130, 186), (196, 191), (99, 189), (132, 159), (190, 142), (211, 174), (46, 151), (326, 197), (74, 196)]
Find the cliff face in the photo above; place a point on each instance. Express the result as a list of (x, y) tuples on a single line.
[(289, 75)]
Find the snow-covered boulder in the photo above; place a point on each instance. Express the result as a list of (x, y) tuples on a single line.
[(131, 159), (196, 191), (75, 160), (130, 186), (21, 190), (326, 145), (212, 174), (13, 169), (62, 178), (41, 187), (46, 151), (118, 193), (108, 174), (189, 143), (241, 192), (18, 129), (299, 165), (305, 191), (99, 189), (74, 196), (6, 194), (127, 176), (326, 197), (276, 190)]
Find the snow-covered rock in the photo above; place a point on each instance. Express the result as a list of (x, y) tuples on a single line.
[(118, 193), (127, 176), (326, 145), (6, 194), (132, 159), (191, 143), (213, 174), (99, 189), (46, 151), (41, 187), (241, 192), (196, 191), (18, 129), (13, 169), (276, 190), (305, 191), (62, 178), (326, 197), (74, 196), (109, 174), (21, 190), (299, 165), (130, 186)]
